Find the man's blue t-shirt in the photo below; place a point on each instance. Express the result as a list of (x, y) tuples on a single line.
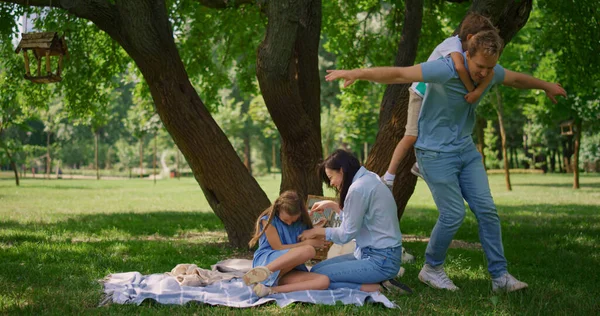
[(446, 120)]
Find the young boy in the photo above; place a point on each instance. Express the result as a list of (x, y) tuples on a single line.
[(453, 46)]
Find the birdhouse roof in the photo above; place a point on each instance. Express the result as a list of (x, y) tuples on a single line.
[(44, 41), (567, 123)]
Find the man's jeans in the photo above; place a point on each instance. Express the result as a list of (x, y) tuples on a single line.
[(452, 177), (375, 266)]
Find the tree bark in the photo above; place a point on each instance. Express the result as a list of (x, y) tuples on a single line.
[(480, 125), (288, 75), (576, 154), (500, 111), (508, 15), (13, 165), (393, 112), (141, 157)]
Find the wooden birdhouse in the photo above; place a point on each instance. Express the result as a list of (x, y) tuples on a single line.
[(566, 128), (45, 44)]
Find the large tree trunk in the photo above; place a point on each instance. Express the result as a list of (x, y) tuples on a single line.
[(576, 154), (508, 15), (288, 74), (500, 111), (142, 28), (393, 112)]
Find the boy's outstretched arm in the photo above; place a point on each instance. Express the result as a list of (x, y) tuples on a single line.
[(522, 81), (474, 95), (459, 65), (387, 75)]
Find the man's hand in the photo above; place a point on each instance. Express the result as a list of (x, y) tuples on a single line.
[(553, 90), (349, 76)]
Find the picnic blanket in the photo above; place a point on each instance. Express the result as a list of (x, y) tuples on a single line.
[(164, 288)]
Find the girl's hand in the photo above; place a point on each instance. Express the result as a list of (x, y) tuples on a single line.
[(317, 243)]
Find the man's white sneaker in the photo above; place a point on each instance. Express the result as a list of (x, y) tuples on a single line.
[(388, 183), (415, 170), (407, 257), (436, 278), (507, 283)]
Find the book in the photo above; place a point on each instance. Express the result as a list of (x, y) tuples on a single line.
[(331, 217)]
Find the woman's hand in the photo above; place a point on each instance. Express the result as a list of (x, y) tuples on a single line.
[(321, 206), (312, 233)]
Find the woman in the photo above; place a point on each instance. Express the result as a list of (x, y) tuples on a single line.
[(368, 213)]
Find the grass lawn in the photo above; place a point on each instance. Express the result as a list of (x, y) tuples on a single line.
[(58, 237)]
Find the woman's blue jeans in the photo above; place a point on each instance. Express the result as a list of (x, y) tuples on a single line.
[(375, 266), (452, 177)]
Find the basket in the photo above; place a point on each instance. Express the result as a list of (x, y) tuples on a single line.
[(331, 220)]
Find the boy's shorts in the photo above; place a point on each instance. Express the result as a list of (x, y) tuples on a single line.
[(414, 108)]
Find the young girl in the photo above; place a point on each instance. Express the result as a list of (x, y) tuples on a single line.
[(278, 265)]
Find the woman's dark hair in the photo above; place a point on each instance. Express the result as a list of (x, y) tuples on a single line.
[(344, 161)]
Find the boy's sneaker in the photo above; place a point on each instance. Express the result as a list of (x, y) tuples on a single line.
[(436, 278), (415, 170), (262, 290), (389, 184), (407, 257), (396, 287), (256, 275), (507, 283)]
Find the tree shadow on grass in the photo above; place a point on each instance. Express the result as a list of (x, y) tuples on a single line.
[(165, 223), (62, 277)]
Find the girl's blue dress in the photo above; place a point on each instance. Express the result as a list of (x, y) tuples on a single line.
[(265, 254)]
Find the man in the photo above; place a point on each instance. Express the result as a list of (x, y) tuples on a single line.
[(447, 156)]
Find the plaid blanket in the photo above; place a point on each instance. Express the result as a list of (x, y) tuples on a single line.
[(134, 288)]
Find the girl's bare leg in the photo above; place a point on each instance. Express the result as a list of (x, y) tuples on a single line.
[(300, 281)]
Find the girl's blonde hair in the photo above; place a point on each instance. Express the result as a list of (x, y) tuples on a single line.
[(291, 203)]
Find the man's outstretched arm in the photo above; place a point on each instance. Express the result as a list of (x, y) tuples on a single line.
[(386, 75), (522, 81)]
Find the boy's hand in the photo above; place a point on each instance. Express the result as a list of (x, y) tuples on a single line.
[(472, 97), (349, 76), (553, 90)]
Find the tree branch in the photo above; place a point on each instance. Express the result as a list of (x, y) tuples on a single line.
[(223, 4), (93, 10)]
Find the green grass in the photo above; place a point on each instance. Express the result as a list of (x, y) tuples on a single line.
[(58, 237)]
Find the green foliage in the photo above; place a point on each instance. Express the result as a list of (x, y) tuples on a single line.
[(218, 47), (491, 146)]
